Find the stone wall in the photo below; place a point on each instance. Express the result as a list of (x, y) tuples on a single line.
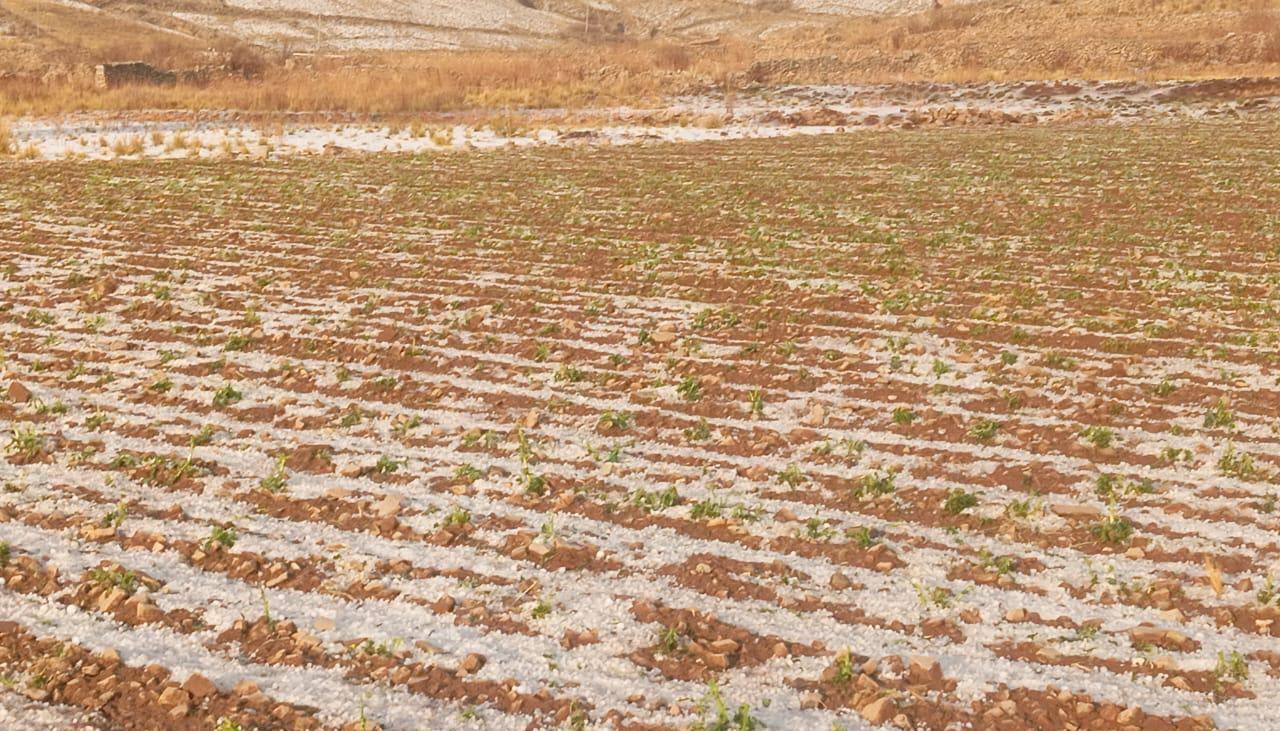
[(112, 75)]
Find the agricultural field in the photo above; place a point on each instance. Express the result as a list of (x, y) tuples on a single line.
[(941, 428)]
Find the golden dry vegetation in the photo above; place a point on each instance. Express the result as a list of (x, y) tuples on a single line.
[(993, 39)]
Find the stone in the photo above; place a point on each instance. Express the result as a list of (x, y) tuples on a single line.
[(817, 415), (879, 711), (1016, 615), (174, 696), (388, 506), (724, 646), (1072, 510), (925, 670), (199, 687), (19, 393), (664, 334), (470, 664)]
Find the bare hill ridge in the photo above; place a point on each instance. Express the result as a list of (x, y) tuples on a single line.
[(347, 25)]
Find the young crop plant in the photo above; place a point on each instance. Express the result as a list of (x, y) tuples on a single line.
[(903, 416), (1002, 565), (278, 479), (223, 536), (706, 509), (862, 537), (569, 374), (817, 529), (1099, 436), (746, 513), (541, 609), (1174, 455), (958, 501), (1059, 361), (845, 670), (237, 343), (532, 482), (655, 500), (670, 640), (984, 430), (114, 517), (226, 396), (1268, 593), (467, 474), (1112, 529), (792, 476), (690, 389), (1113, 487), (116, 576), (1239, 465), (619, 420), (722, 720), (699, 432), (1231, 667), (204, 436), (1219, 416), (403, 426), (456, 518), (875, 484), (386, 465), (938, 597), (25, 442), (755, 401)]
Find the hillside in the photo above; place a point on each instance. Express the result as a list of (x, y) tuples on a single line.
[(349, 25), (394, 56)]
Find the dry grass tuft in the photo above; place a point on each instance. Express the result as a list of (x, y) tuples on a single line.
[(1264, 20)]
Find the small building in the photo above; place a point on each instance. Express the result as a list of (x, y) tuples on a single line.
[(112, 75)]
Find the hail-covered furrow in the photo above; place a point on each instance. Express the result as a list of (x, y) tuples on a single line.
[(956, 431)]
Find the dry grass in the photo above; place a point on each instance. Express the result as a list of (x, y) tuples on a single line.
[(590, 74), (1264, 20), (7, 143), (991, 40), (1027, 39)]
